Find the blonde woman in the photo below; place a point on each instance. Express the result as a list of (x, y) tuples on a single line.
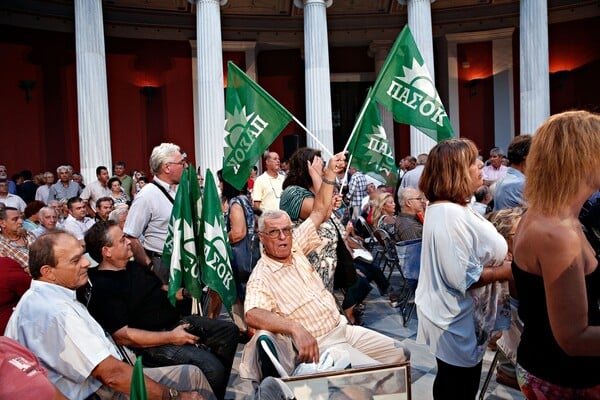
[(555, 268)]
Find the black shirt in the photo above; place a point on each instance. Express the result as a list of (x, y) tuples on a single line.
[(538, 352), (132, 297)]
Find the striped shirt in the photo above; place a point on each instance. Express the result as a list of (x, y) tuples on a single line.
[(294, 291)]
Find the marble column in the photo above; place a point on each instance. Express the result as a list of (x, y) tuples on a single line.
[(92, 93), (316, 72), (419, 22), (379, 49), (249, 48), (534, 65), (210, 120)]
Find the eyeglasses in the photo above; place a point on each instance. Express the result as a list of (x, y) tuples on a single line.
[(417, 198), (275, 233), (183, 162)]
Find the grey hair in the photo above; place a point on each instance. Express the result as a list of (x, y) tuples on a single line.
[(160, 154), (116, 213), (44, 209), (268, 215), (422, 159), (496, 151), (63, 168), (403, 195)]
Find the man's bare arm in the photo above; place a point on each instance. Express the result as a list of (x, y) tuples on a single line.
[(127, 336), (308, 349), (138, 251)]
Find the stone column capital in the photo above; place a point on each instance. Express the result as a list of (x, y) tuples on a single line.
[(404, 2), (379, 49), (302, 3), (221, 2)]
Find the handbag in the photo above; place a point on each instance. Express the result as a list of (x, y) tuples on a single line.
[(345, 272), (246, 252)]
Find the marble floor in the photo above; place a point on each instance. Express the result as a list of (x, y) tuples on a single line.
[(380, 316)]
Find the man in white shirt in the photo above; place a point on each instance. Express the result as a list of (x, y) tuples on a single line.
[(77, 223), (268, 186), (96, 190), (43, 191), (151, 209), (9, 199), (495, 169)]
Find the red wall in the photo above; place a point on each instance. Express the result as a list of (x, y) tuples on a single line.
[(476, 94)]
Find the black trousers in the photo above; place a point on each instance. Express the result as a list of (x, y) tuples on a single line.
[(456, 383)]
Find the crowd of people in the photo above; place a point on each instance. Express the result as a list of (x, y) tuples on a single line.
[(503, 246)]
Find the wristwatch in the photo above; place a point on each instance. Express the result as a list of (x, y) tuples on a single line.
[(173, 393)]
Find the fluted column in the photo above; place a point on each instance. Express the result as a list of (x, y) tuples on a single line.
[(419, 22), (379, 49), (316, 73), (534, 67), (208, 140), (92, 93)]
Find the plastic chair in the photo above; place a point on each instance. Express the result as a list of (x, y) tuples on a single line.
[(408, 253)]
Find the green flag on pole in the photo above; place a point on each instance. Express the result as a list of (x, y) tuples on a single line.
[(138, 384), (404, 86), (182, 246), (216, 257), (369, 148), (253, 121)]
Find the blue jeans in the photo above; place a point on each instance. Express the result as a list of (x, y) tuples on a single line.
[(213, 354)]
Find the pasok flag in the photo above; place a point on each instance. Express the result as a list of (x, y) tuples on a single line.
[(404, 87), (253, 121)]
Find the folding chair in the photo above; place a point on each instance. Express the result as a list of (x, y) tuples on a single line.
[(388, 251), (408, 253), (363, 228)]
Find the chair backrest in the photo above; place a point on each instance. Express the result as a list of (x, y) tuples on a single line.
[(363, 229), (409, 257), (387, 243)]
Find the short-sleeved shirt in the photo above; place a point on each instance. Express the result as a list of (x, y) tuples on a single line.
[(59, 192), (509, 190), (149, 215), (42, 193), (60, 331), (457, 243), (78, 228), (93, 192), (131, 297), (18, 253), (492, 174), (295, 291), (268, 190), (15, 201), (21, 375)]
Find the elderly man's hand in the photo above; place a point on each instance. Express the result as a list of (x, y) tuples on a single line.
[(180, 336), (308, 349)]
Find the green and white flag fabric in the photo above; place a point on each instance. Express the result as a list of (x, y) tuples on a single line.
[(253, 121), (138, 384), (216, 257), (183, 245), (404, 86), (369, 148)]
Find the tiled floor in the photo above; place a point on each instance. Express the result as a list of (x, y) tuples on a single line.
[(380, 316)]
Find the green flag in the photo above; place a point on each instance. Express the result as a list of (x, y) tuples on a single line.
[(182, 246), (216, 257), (253, 121), (404, 86), (369, 148), (138, 384)]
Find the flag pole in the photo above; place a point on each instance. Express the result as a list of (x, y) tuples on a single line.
[(325, 149)]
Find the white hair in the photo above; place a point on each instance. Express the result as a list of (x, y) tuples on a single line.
[(160, 154)]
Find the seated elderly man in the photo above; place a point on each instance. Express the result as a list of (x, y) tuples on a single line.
[(129, 302), (408, 224), (48, 221), (14, 240), (80, 359), (286, 299)]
